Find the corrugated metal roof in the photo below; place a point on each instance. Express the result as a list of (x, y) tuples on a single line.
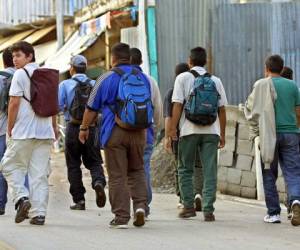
[(15, 38), (245, 34), (74, 46), (181, 25), (37, 35), (16, 12), (44, 51)]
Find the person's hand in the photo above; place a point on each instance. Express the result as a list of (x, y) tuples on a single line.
[(9, 131), (168, 144), (222, 142), (83, 136), (173, 134)]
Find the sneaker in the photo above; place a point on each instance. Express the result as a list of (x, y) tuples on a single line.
[(180, 205), (295, 213), (100, 195), (209, 217), (117, 225), (272, 218), (198, 203), (2, 211), (187, 213), (139, 217), (23, 206), (78, 206), (38, 220)]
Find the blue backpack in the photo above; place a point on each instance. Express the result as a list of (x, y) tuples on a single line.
[(202, 105), (134, 109)]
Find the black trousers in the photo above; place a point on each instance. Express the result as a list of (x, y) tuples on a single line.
[(88, 154)]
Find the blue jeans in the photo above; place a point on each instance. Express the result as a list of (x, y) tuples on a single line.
[(288, 155), (147, 157), (3, 183)]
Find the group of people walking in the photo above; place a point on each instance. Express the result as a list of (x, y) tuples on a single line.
[(121, 113)]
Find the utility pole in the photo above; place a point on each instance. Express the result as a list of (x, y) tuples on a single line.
[(59, 9)]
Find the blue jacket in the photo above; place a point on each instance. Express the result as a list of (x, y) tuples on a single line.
[(67, 91), (104, 95)]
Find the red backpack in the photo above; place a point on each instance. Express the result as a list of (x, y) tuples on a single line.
[(44, 91)]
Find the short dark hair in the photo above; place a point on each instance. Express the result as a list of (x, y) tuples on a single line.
[(7, 58), (135, 56), (80, 69), (198, 56), (25, 47), (181, 68), (287, 72), (121, 51), (274, 64)]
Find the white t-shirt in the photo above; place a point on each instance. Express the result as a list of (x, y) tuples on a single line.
[(184, 84), (28, 125)]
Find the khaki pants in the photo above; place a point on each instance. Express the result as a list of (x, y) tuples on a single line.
[(28, 156), (124, 158)]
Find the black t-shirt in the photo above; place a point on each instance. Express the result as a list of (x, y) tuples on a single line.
[(168, 105)]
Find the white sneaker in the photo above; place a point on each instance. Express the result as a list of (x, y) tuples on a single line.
[(198, 203), (180, 205), (295, 213), (272, 218)]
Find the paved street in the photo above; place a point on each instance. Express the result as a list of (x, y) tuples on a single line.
[(239, 226)]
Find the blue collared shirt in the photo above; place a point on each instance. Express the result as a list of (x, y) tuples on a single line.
[(67, 91), (104, 96)]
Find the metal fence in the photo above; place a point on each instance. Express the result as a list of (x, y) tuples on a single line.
[(181, 25), (14, 12), (244, 35)]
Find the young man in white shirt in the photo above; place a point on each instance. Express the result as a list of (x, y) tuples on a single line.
[(207, 139), (29, 142)]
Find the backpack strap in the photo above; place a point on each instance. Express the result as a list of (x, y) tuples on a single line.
[(6, 74), (119, 71), (78, 81), (30, 81), (194, 73)]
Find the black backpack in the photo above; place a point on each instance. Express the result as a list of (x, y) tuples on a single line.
[(4, 92), (81, 97)]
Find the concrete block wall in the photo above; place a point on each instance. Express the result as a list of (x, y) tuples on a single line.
[(236, 163)]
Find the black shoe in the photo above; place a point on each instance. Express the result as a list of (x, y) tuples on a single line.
[(100, 195), (139, 217), (187, 213), (118, 225), (78, 206), (23, 206), (38, 220), (209, 217), (2, 211)]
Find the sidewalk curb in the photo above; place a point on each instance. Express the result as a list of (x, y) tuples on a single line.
[(244, 200)]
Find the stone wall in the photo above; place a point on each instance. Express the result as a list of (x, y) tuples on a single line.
[(236, 170), (236, 165)]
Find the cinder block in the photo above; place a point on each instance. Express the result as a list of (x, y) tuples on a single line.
[(230, 142), (243, 132), (248, 179), (244, 147), (248, 192), (280, 185), (241, 117), (222, 173), (225, 158), (234, 176), (222, 186), (282, 197), (231, 128), (233, 189), (231, 112), (244, 162)]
